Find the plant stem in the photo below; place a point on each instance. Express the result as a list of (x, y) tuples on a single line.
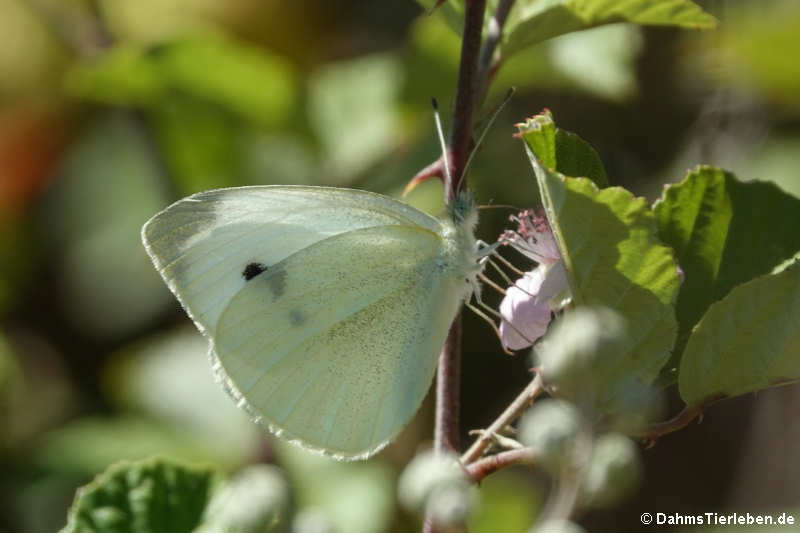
[(652, 433), (512, 412), (448, 397), (448, 377), (468, 72), (446, 429), (488, 63), (481, 468)]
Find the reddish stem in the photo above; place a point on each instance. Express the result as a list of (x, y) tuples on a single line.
[(488, 465)]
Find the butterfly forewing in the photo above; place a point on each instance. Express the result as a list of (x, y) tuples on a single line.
[(203, 244)]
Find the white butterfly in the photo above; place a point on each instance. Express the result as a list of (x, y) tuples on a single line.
[(325, 308)]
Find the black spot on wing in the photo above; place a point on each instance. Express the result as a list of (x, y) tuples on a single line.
[(252, 270)]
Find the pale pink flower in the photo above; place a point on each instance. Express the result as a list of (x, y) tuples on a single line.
[(533, 237), (528, 305)]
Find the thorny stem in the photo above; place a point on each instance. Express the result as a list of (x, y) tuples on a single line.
[(447, 383), (468, 82), (512, 412)]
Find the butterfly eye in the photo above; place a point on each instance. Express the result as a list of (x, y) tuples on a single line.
[(252, 270)]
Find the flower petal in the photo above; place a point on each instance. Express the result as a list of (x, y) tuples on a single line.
[(525, 319)]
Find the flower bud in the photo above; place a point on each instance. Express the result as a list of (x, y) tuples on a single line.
[(550, 427), (436, 483), (579, 348), (614, 471), (256, 500), (451, 503), (312, 521)]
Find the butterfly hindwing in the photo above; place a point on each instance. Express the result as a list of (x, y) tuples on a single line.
[(336, 345)]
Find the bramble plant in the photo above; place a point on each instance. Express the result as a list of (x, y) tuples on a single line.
[(618, 299)]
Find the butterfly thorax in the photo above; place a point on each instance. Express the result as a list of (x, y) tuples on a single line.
[(460, 258)]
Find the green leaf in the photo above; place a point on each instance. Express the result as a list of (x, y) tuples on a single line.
[(508, 503), (607, 239), (89, 444), (166, 377), (600, 61), (752, 45), (533, 21), (152, 496), (241, 78), (353, 109), (575, 157), (202, 145), (92, 217), (563, 151), (748, 341), (724, 232)]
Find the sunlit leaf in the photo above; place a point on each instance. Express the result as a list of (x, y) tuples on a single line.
[(749, 340), (600, 61), (724, 232), (607, 238), (564, 152), (750, 50), (533, 21), (153, 496), (352, 110)]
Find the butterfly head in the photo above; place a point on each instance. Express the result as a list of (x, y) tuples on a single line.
[(462, 210)]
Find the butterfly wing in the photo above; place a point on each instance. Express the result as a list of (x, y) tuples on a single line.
[(335, 346), (203, 244), (326, 308)]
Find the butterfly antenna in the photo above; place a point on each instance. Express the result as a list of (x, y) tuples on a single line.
[(492, 118), (445, 154)]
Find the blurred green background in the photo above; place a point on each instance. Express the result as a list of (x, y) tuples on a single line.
[(111, 110)]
